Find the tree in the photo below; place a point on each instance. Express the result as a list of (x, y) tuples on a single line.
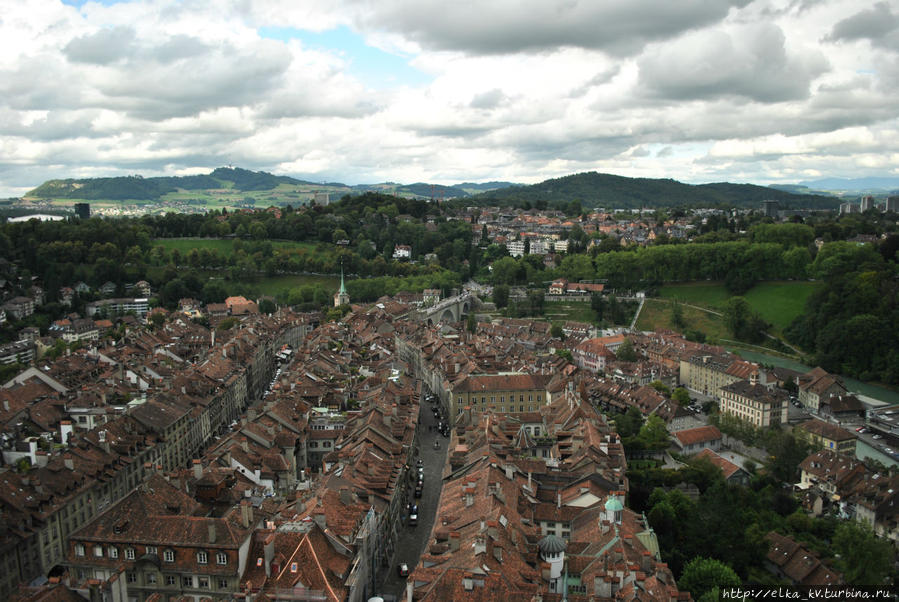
[(661, 388), (626, 352), (864, 558), (267, 306), (677, 314), (743, 323), (681, 396), (702, 575), (501, 295), (557, 332)]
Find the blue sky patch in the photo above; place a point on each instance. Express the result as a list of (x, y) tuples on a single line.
[(372, 66)]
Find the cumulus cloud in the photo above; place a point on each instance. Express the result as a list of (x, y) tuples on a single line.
[(698, 90), (620, 27), (877, 23), (754, 63)]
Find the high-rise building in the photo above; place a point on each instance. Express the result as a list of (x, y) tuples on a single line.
[(867, 203), (769, 208), (892, 204)]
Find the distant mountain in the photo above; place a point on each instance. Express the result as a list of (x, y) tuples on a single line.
[(610, 191), (885, 184), (140, 188), (483, 187)]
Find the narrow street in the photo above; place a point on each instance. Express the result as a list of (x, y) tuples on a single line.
[(411, 540)]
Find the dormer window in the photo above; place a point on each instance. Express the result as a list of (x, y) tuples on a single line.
[(221, 558), (113, 552), (168, 555), (98, 551), (129, 553), (202, 557), (79, 549)]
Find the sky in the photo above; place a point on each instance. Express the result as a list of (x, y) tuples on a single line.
[(366, 91)]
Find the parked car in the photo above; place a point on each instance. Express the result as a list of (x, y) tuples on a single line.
[(877, 437), (413, 520), (418, 491), (402, 569)]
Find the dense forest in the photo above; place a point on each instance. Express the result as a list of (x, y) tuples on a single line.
[(610, 191), (137, 187)]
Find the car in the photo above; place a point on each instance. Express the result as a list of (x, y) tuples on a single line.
[(420, 463), (875, 437), (413, 520), (418, 491), (402, 569), (860, 429)]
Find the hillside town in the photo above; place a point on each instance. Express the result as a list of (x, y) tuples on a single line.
[(384, 454)]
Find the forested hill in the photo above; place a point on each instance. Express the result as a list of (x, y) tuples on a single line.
[(235, 179), (610, 191), (137, 187)]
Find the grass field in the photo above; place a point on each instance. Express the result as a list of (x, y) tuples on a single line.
[(777, 302), (275, 285), (225, 246), (656, 315)]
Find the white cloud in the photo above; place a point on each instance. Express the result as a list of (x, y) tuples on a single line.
[(701, 90)]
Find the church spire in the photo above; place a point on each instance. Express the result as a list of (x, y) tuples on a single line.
[(341, 297)]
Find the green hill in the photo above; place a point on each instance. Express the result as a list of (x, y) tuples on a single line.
[(139, 188), (610, 191)]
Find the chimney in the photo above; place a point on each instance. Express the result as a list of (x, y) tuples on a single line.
[(244, 444), (269, 553), (211, 527), (510, 471), (65, 429), (246, 513), (455, 540), (409, 590), (558, 499), (69, 462), (198, 469)]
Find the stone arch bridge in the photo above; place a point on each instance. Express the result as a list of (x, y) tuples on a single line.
[(450, 309)]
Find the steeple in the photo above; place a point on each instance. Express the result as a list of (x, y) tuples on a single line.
[(341, 297)]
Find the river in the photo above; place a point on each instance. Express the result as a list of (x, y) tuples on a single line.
[(874, 392)]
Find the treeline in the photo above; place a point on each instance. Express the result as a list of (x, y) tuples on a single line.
[(850, 324), (611, 191)]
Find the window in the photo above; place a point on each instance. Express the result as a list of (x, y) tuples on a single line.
[(293, 567), (79, 549), (98, 551), (129, 553), (492, 399), (151, 550), (502, 399), (221, 558), (150, 578), (113, 552), (313, 444), (168, 555), (187, 581), (223, 584), (132, 577), (204, 582), (202, 557), (170, 580)]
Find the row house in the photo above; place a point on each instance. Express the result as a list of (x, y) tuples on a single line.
[(827, 435), (816, 386), (706, 374), (592, 355), (754, 403), (500, 393), (158, 540)]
